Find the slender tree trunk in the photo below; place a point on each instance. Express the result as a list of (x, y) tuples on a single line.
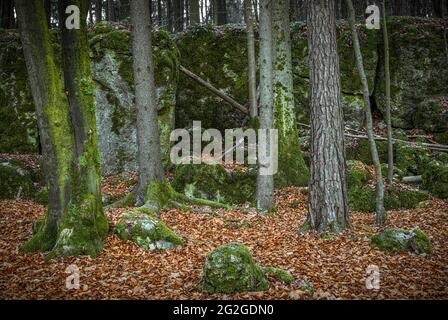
[(194, 12), (177, 13), (292, 167), (265, 183), (390, 147), (149, 153), (380, 212), (221, 12), (169, 12), (75, 223), (328, 205), (159, 13), (47, 6), (99, 10), (248, 15)]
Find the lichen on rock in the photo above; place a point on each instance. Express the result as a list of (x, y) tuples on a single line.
[(143, 227)]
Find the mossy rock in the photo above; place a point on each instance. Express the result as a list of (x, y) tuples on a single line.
[(230, 269), (41, 196), (410, 160), (360, 151), (435, 179), (399, 240), (279, 274), (15, 179), (358, 174), (214, 182), (363, 199), (144, 227)]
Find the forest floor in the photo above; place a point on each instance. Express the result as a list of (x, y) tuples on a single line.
[(335, 266)]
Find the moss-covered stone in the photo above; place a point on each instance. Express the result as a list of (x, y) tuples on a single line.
[(214, 182), (398, 240), (358, 174), (15, 181), (279, 274), (418, 74), (144, 227), (230, 269), (363, 199), (360, 150), (435, 179)]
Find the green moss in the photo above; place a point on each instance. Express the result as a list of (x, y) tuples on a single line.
[(279, 274), (15, 180), (41, 197), (358, 174), (361, 152), (398, 240), (214, 182), (363, 199), (230, 269), (143, 227), (435, 179)]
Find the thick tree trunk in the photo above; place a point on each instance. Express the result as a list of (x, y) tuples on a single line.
[(380, 212), (149, 153), (390, 147), (328, 205), (292, 166), (75, 223), (265, 183), (194, 12), (249, 18)]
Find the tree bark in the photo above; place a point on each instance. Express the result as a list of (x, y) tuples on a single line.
[(390, 147), (194, 12), (328, 205), (252, 81), (178, 15), (265, 183), (292, 167), (149, 152), (99, 10), (380, 212), (75, 223)]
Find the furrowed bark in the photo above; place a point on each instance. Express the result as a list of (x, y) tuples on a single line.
[(328, 204)]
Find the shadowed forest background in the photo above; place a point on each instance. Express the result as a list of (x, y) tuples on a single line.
[(86, 178)]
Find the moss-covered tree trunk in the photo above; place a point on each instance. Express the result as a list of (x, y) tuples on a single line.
[(249, 18), (390, 146), (75, 223), (148, 138), (380, 212), (265, 182), (292, 167), (328, 203)]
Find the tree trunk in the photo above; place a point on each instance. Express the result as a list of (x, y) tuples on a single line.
[(149, 153), (265, 183), (169, 13), (99, 10), (220, 12), (75, 223), (380, 212), (178, 15), (292, 168), (328, 205), (159, 13), (194, 12), (47, 6), (249, 18), (7, 20), (390, 148)]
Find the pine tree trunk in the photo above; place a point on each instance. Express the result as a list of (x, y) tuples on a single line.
[(292, 167), (328, 205), (253, 108), (194, 12), (149, 153), (99, 10), (265, 183), (159, 13), (380, 212), (75, 223)]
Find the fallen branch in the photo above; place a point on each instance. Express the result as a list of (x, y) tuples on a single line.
[(214, 90), (412, 179)]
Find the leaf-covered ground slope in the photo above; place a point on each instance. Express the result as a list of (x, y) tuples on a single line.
[(335, 266)]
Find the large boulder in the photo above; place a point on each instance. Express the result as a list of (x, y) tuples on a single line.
[(419, 74), (435, 178), (216, 183), (398, 240), (230, 269), (144, 227)]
